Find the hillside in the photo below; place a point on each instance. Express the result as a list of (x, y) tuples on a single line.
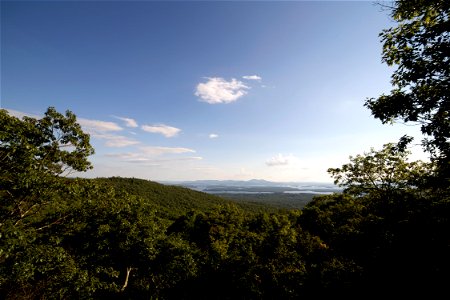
[(174, 201)]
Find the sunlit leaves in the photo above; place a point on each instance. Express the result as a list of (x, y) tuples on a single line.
[(381, 172), (419, 47)]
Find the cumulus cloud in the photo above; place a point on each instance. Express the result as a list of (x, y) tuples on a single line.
[(128, 121), (213, 136), (280, 160), (167, 131), (252, 77), (218, 90)]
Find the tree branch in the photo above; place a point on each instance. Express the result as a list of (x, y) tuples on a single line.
[(53, 223), (126, 279)]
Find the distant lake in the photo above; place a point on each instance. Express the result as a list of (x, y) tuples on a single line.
[(236, 192), (255, 187), (307, 192), (256, 192)]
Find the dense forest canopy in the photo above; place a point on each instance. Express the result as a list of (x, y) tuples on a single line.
[(134, 239)]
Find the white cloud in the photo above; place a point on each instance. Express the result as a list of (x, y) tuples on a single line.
[(218, 90), (167, 131), (213, 136), (150, 150), (128, 121), (159, 162), (281, 160), (188, 158), (125, 156), (95, 126), (150, 154), (116, 141), (252, 77)]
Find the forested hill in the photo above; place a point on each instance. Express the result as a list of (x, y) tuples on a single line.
[(174, 201)]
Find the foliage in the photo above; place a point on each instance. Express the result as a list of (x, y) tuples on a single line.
[(253, 256), (419, 46), (32, 153), (50, 145), (382, 172), (98, 236), (397, 246)]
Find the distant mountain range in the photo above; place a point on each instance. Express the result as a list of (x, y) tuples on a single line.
[(257, 186)]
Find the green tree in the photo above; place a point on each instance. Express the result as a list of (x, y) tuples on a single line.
[(33, 152), (34, 199), (420, 48), (53, 144), (381, 173)]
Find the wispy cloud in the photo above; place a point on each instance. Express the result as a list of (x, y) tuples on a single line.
[(167, 131), (116, 141), (281, 160), (159, 162), (150, 154), (213, 136), (252, 77), (218, 90), (128, 121), (188, 158), (95, 126), (151, 150), (20, 115)]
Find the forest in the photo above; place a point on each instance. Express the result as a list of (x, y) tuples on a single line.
[(387, 233)]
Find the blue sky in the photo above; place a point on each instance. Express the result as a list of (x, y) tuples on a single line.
[(203, 90)]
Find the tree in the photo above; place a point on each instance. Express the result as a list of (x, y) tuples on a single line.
[(51, 145), (380, 172), (420, 48), (33, 153), (34, 200)]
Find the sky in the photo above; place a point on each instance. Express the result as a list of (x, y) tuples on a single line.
[(174, 91)]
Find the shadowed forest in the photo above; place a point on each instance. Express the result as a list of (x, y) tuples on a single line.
[(128, 238)]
